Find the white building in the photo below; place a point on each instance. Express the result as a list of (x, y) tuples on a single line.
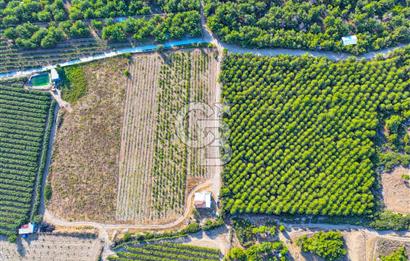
[(349, 40), (54, 75), (202, 200), (26, 229)]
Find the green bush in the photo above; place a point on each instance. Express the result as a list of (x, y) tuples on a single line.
[(397, 255), (328, 245), (389, 220), (74, 83), (48, 192)]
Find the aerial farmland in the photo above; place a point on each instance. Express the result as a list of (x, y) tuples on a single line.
[(204, 130)]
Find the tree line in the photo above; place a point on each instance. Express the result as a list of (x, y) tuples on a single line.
[(311, 24)]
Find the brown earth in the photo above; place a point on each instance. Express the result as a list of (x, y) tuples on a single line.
[(396, 191), (84, 172)]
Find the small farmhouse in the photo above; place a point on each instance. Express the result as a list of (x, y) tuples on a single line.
[(202, 200), (349, 40)]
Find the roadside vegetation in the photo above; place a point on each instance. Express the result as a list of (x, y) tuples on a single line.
[(25, 124), (311, 24), (397, 255), (310, 143), (74, 83), (328, 245), (166, 251), (257, 242), (34, 24), (84, 169), (274, 251), (37, 33)]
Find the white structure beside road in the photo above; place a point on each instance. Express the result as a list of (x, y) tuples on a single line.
[(349, 40), (202, 200)]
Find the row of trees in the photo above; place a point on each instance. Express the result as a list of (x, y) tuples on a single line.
[(310, 25), (274, 251), (31, 36), (160, 28), (303, 131)]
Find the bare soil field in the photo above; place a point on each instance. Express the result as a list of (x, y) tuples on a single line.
[(155, 162), (396, 192), (84, 171), (53, 247)]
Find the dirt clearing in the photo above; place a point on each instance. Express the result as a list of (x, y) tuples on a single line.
[(396, 192), (61, 247)]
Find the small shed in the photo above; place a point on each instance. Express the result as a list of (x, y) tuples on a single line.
[(349, 40), (54, 75), (202, 200), (27, 229)]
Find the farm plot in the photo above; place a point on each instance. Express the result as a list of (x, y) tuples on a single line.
[(53, 247), (167, 251), (154, 162), (24, 131), (309, 145), (84, 171)]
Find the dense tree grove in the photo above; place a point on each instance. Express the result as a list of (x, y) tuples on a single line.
[(173, 26), (316, 24), (303, 131), (328, 245)]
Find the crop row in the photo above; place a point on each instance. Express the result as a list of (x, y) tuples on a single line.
[(309, 143), (22, 128), (167, 251)]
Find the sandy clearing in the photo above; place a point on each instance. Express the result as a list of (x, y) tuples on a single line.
[(396, 193)]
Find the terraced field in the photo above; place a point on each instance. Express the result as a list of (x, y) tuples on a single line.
[(154, 161), (24, 132), (167, 251), (15, 59)]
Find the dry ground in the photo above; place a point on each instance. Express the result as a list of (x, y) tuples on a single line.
[(84, 172), (396, 193), (52, 247)]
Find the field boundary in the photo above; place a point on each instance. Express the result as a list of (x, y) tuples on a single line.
[(41, 173)]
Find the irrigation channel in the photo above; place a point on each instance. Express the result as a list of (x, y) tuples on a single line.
[(206, 39)]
